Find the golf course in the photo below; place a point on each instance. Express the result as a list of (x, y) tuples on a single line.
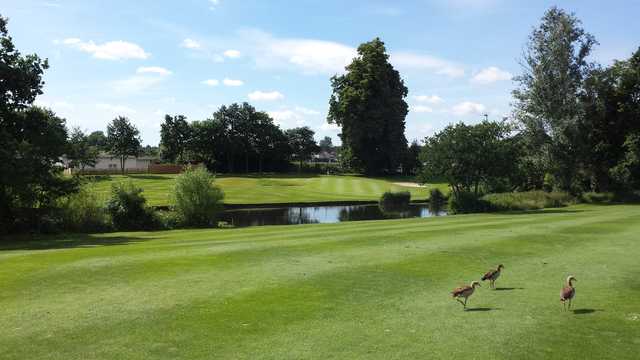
[(369, 289), (272, 189)]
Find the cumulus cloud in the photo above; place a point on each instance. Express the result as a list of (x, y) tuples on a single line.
[(287, 118), (468, 108), (231, 82), (265, 96), (190, 44), (491, 75), (153, 70), (232, 53), (429, 99), (211, 82), (421, 109), (111, 50), (309, 55), (409, 60)]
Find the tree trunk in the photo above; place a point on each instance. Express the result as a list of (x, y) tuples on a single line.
[(122, 160)]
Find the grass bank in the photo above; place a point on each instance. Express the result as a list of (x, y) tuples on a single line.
[(371, 289), (273, 189)]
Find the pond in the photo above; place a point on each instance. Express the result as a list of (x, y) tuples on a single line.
[(293, 215)]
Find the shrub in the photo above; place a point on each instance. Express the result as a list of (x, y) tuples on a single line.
[(128, 208), (436, 200), (595, 197), (197, 200), (466, 202), (84, 212), (390, 201), (529, 200)]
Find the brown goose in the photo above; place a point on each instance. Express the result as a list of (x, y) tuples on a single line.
[(464, 292), (492, 276), (568, 292)]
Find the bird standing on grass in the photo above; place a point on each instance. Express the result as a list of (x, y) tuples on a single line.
[(464, 292), (492, 276), (568, 292)]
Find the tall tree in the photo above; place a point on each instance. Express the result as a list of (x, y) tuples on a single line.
[(368, 104), (547, 100), (123, 140), (80, 153), (175, 134), (326, 144), (302, 144), (98, 140), (33, 139)]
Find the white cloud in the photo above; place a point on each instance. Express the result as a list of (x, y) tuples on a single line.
[(111, 50), (310, 56), (421, 109), (329, 127), (211, 82), (410, 60), (115, 109), (287, 118), (491, 75), (307, 111), (135, 84), (213, 4), (232, 53), (153, 70), (468, 108), (265, 96), (429, 99), (190, 44), (231, 82)]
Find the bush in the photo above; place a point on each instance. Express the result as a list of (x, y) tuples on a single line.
[(128, 208), (466, 203), (529, 200), (390, 201), (436, 200), (595, 197), (197, 200), (84, 212)]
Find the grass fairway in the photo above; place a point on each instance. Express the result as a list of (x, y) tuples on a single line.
[(274, 188), (373, 289)]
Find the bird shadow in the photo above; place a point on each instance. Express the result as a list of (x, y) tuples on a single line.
[(481, 309), (585, 311), (508, 288)]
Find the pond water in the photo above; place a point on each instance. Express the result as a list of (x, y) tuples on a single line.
[(292, 215)]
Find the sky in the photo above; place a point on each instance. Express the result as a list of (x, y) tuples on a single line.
[(143, 59)]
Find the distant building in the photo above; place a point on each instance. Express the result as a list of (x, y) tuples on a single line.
[(325, 156), (106, 163)]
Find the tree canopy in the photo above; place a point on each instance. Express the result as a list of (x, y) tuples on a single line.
[(123, 139), (368, 104)]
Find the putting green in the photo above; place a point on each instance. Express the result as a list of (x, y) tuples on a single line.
[(371, 289), (274, 188)]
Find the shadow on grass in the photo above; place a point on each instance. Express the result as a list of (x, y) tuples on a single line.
[(508, 288), (66, 241), (539, 211), (149, 177), (585, 311), (481, 309)]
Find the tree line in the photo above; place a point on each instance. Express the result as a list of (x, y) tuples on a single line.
[(575, 124)]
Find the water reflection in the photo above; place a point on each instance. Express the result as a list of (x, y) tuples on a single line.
[(321, 214)]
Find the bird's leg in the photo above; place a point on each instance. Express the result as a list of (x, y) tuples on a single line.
[(569, 304), (564, 306), (460, 301), (465, 303)]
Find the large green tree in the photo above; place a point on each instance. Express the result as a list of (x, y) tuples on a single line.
[(368, 104), (471, 158), (302, 144), (123, 140), (547, 100), (79, 152), (175, 134), (33, 139)]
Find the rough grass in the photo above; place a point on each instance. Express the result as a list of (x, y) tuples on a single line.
[(371, 289), (529, 200), (273, 188)]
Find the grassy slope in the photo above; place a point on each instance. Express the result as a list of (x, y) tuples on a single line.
[(375, 289), (274, 189)]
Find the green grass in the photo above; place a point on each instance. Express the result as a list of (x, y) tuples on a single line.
[(274, 188), (371, 289)]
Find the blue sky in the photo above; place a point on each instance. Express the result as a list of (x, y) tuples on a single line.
[(143, 58)]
